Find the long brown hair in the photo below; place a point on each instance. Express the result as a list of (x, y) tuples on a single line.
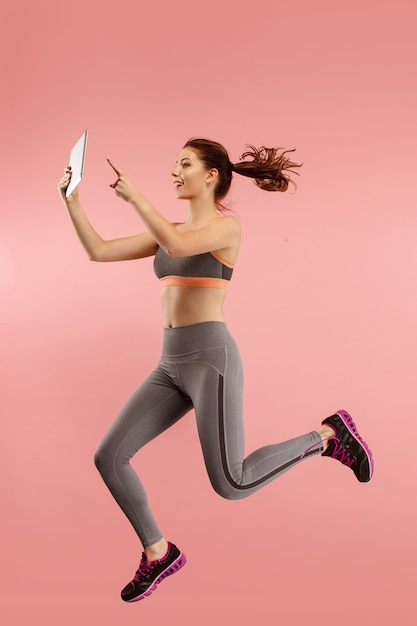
[(269, 167)]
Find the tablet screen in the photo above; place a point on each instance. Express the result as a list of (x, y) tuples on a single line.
[(77, 159)]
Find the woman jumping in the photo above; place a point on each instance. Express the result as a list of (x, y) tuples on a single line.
[(200, 366)]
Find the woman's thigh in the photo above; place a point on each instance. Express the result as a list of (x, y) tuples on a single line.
[(155, 406)]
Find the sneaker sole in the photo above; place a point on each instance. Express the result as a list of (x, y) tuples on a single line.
[(172, 569), (350, 425)]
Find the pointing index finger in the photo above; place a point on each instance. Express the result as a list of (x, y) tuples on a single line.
[(112, 165)]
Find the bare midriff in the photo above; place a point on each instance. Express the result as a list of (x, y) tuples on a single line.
[(183, 306)]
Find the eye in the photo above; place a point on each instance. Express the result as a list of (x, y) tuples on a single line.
[(186, 164)]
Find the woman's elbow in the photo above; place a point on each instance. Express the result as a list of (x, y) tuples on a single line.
[(99, 255), (175, 250)]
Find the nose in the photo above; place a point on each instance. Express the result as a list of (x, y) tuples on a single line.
[(175, 170)]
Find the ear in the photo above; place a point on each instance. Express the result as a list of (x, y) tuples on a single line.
[(212, 175)]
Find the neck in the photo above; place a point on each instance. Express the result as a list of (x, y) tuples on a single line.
[(200, 210)]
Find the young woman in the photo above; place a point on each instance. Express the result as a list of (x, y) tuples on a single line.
[(200, 366)]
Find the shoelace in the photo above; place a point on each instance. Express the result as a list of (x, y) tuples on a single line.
[(144, 568), (341, 454)]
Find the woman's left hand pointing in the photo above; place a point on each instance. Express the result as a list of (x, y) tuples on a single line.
[(123, 187)]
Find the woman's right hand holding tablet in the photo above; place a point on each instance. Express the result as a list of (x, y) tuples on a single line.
[(63, 185)]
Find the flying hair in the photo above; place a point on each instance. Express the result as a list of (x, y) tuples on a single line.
[(270, 168)]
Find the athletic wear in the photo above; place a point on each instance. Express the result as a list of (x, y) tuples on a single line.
[(200, 368), (151, 573), (348, 447), (200, 270)]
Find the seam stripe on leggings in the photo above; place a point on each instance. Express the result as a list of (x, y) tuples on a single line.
[(226, 470)]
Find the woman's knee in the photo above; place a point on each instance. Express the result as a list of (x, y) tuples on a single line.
[(103, 459), (228, 490)]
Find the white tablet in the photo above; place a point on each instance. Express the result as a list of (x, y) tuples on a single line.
[(77, 159)]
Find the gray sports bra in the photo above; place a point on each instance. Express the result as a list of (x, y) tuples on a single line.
[(199, 270)]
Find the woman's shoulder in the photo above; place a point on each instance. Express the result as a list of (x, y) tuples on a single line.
[(232, 223), (227, 220)]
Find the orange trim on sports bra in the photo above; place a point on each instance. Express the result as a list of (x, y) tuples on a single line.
[(194, 281), (216, 217), (218, 258)]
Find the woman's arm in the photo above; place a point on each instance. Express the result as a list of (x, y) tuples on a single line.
[(98, 249), (216, 235)]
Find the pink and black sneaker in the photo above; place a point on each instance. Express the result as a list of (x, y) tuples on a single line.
[(151, 573), (348, 447)]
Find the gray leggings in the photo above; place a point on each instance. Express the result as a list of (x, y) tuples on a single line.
[(200, 368)]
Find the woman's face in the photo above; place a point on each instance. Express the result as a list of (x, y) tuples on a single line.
[(191, 179)]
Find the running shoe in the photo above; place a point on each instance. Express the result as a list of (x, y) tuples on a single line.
[(348, 447), (150, 574)]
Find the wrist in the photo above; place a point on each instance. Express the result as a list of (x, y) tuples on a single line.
[(140, 203), (71, 202)]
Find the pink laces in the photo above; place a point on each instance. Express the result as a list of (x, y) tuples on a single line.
[(144, 568)]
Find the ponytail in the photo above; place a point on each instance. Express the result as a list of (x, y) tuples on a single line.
[(269, 167)]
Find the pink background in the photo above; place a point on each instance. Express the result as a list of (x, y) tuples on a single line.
[(323, 305)]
